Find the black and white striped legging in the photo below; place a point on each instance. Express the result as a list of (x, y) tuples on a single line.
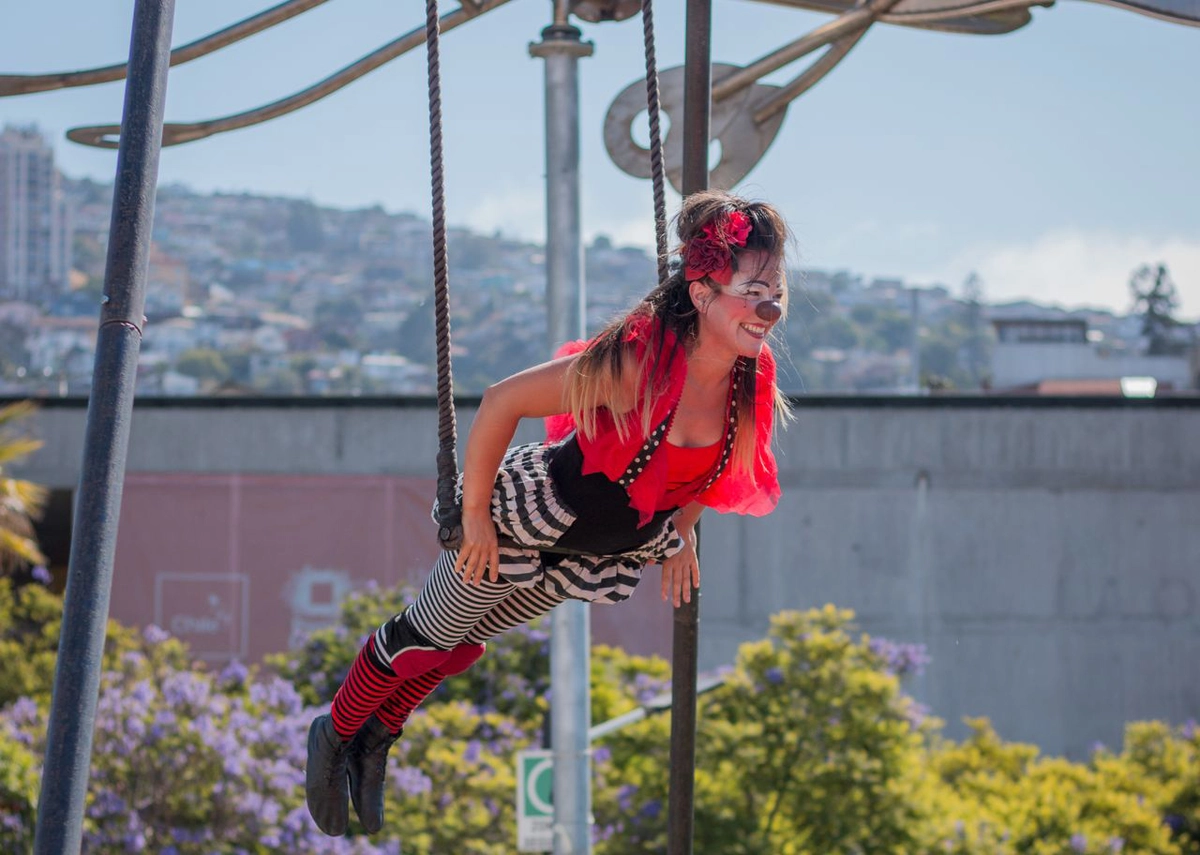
[(449, 612)]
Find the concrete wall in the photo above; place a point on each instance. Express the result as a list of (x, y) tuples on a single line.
[(1047, 552)]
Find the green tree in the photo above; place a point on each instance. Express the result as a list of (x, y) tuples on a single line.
[(864, 315), (204, 364), (1155, 299), (810, 747), (939, 363), (30, 625), (977, 342), (833, 331), (895, 328)]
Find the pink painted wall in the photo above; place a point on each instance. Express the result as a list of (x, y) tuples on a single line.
[(244, 565)]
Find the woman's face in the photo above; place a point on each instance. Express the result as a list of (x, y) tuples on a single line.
[(737, 318)]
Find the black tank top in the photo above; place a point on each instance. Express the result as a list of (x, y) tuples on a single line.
[(605, 523)]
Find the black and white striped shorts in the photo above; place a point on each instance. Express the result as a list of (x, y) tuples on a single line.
[(528, 511)]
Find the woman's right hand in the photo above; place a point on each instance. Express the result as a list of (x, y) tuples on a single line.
[(480, 551)]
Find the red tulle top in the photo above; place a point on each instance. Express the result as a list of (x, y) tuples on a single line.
[(755, 492)]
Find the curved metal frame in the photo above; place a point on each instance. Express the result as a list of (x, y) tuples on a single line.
[(839, 37), (27, 84), (175, 133)]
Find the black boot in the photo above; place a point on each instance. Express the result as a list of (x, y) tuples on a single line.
[(325, 777), (367, 761)]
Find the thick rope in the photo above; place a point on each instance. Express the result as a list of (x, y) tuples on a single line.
[(656, 153), (449, 513)]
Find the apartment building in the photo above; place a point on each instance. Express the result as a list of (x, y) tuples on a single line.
[(35, 233)]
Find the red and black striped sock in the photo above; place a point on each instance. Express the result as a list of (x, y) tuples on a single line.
[(394, 711), (399, 706), (367, 685)]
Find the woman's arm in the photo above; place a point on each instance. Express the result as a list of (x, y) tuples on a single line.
[(533, 393), (688, 516), (681, 572)]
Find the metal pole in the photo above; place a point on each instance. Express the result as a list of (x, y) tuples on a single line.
[(98, 503), (570, 645), (697, 106)]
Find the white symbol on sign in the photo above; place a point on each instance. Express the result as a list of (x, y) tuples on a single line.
[(538, 788)]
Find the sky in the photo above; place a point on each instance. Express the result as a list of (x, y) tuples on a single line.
[(1052, 161)]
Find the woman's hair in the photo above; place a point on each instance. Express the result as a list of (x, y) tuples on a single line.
[(596, 379)]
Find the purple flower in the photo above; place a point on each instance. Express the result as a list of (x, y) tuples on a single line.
[(1078, 842), (774, 676), (916, 713), (154, 634), (234, 674), (625, 796), (185, 688), (142, 692), (278, 694), (1189, 729), (900, 659), (41, 574), (601, 754), (23, 711), (650, 810), (412, 781), (1116, 844)]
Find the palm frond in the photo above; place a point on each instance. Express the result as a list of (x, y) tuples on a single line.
[(15, 448), (16, 411), (23, 497), (21, 502), (15, 549)]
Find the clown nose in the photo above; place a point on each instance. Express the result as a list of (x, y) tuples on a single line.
[(769, 310)]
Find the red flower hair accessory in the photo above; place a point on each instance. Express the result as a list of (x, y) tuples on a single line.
[(710, 253)]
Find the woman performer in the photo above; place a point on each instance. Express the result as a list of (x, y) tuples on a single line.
[(667, 411)]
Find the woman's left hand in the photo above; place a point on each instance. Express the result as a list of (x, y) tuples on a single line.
[(681, 572)]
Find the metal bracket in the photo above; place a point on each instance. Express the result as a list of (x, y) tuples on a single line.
[(743, 141)]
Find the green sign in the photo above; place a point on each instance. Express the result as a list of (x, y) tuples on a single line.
[(535, 801)]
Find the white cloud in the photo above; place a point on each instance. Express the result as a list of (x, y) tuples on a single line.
[(1076, 268), (516, 211), (634, 231)]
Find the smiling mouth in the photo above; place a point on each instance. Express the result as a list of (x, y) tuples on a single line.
[(758, 331)]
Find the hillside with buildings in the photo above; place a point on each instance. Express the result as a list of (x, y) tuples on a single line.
[(258, 295)]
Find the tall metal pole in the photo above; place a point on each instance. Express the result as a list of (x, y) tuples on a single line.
[(697, 107), (98, 503), (570, 642)]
